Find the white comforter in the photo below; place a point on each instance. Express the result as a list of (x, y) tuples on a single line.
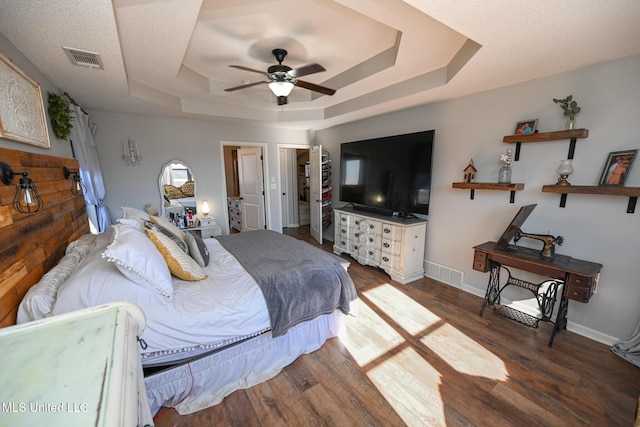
[(201, 315)]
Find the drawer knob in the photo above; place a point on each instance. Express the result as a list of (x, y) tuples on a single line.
[(385, 259), (386, 245)]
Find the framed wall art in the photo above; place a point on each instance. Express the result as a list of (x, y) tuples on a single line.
[(526, 127), (22, 116), (617, 167)]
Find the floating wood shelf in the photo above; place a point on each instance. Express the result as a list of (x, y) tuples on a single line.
[(571, 135), (632, 192), (512, 187)]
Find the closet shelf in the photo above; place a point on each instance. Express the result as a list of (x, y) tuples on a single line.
[(512, 187), (631, 192), (571, 134)]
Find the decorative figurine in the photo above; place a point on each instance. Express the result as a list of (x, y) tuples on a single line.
[(470, 172)]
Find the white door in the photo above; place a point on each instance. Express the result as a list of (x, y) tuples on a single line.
[(283, 162), (315, 192), (251, 180)]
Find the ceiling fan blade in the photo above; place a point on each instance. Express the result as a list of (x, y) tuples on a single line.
[(231, 89), (242, 67), (306, 70), (315, 87)]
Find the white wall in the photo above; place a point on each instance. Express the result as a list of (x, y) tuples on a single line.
[(196, 143), (595, 228), (59, 148)]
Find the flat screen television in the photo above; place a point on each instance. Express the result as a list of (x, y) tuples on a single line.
[(388, 175)]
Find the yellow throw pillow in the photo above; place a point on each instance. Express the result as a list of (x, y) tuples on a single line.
[(180, 264)]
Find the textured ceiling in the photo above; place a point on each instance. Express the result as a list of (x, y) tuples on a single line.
[(172, 57)]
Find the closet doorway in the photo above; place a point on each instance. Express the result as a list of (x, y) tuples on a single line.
[(294, 186), (244, 185), (302, 202)]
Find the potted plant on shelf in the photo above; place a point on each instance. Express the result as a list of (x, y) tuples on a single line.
[(570, 108)]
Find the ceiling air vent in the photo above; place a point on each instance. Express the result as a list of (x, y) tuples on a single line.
[(84, 58)]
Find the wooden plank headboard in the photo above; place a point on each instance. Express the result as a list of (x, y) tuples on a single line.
[(30, 245)]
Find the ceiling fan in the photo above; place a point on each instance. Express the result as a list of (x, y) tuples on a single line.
[(282, 78)]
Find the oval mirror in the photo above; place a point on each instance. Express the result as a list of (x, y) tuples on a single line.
[(177, 188)]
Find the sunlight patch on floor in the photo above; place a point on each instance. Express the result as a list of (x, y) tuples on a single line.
[(411, 316), (464, 354), (368, 336), (412, 387), (452, 346)]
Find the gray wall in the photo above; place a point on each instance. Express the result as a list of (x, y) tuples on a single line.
[(59, 147), (595, 228), (196, 143)]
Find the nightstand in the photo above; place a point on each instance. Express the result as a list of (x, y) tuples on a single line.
[(209, 227), (78, 368)]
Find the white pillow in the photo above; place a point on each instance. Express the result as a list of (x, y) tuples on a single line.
[(135, 223), (133, 214), (139, 260)]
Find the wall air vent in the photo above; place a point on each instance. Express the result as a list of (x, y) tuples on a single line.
[(84, 58)]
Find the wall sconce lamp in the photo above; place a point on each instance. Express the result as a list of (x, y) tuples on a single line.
[(131, 153), (76, 187), (27, 199)]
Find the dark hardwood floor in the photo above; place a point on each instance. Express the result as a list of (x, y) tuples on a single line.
[(420, 355)]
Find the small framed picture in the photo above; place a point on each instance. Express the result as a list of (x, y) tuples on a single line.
[(617, 167), (526, 127)]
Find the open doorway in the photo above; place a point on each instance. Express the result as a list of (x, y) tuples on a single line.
[(294, 185), (244, 187), (305, 181)]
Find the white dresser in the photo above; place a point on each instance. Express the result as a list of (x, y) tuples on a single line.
[(76, 369), (235, 213), (393, 244)]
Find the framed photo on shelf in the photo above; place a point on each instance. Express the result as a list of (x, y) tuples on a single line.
[(617, 167), (22, 116), (526, 127)]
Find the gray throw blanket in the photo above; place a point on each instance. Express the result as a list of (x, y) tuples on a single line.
[(299, 281)]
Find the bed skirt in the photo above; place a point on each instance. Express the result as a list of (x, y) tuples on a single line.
[(206, 381)]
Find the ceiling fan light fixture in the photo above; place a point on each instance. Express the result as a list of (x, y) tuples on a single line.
[(280, 88)]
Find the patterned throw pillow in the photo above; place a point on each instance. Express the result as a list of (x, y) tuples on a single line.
[(168, 225), (181, 243), (197, 249), (180, 264)]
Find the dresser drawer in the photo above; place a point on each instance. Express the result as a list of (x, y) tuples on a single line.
[(580, 288), (480, 262)]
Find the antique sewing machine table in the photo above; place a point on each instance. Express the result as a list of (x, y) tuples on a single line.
[(580, 280)]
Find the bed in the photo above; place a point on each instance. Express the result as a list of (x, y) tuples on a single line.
[(222, 314)]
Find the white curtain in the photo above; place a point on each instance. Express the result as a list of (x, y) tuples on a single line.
[(84, 148), (629, 348)]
